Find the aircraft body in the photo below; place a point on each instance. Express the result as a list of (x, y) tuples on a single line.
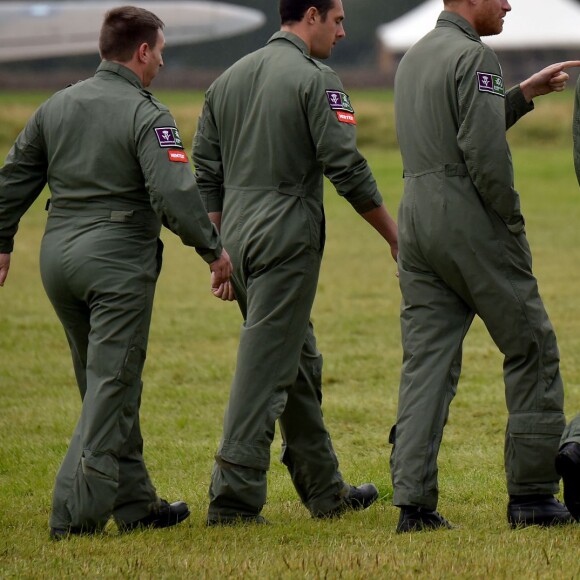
[(33, 30)]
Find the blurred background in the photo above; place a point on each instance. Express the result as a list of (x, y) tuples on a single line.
[(536, 33)]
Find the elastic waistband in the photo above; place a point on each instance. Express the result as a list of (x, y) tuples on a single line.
[(450, 170)]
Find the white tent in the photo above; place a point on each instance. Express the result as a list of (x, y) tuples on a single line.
[(546, 24)]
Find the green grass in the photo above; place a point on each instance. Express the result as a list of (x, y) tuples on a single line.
[(190, 362)]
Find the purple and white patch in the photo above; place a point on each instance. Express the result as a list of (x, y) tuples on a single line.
[(339, 101), (485, 82), (490, 83), (334, 99), (168, 137)]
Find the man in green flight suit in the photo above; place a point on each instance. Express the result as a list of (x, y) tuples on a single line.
[(116, 169), (568, 458), (271, 127), (463, 251)]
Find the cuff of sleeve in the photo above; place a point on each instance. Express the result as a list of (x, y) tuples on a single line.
[(367, 204), (517, 228), (213, 201), (516, 96), (6, 246), (210, 255), (215, 207), (515, 223)]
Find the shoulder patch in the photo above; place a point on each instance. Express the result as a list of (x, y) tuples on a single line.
[(177, 155), (168, 137), (339, 101), (345, 117), (490, 83)]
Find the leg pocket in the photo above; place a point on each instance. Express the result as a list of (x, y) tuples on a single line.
[(133, 364), (531, 445)]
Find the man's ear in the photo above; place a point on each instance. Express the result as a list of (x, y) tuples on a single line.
[(143, 52), (311, 14)]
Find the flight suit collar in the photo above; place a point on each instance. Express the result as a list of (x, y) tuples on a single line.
[(446, 18), (290, 37), (122, 71)]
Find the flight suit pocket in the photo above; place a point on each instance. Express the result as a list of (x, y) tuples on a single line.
[(531, 448), (99, 465), (132, 365)]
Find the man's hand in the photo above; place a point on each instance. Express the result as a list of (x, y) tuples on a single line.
[(548, 80), (221, 270), (224, 291), (4, 267)]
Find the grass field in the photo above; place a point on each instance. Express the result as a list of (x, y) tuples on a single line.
[(190, 364)]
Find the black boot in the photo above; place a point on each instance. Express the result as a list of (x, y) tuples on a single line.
[(357, 498), (164, 515), (536, 510), (415, 519)]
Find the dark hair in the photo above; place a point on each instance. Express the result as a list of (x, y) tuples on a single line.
[(125, 29), (294, 10)]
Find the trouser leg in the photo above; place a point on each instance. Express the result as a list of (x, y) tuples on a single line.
[(515, 316), (136, 492), (307, 448), (101, 471), (571, 433), (87, 484), (434, 321), (277, 306)]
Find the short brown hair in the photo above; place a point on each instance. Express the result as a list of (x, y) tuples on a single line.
[(294, 10), (125, 29)]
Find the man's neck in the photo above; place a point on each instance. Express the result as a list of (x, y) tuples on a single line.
[(133, 66), (300, 30), (461, 9)]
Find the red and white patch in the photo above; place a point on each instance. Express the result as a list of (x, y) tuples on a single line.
[(346, 117), (177, 155)]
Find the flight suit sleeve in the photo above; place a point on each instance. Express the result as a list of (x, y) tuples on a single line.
[(22, 179), (332, 124), (171, 184), (516, 106), (576, 131), (207, 159), (481, 135)]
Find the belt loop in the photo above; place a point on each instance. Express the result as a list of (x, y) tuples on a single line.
[(121, 216)]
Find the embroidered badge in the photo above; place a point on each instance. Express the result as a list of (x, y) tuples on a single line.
[(168, 137), (346, 117), (490, 83), (339, 101), (177, 155)]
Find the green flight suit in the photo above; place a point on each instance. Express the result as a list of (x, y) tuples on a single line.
[(463, 252), (271, 126), (116, 170)]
